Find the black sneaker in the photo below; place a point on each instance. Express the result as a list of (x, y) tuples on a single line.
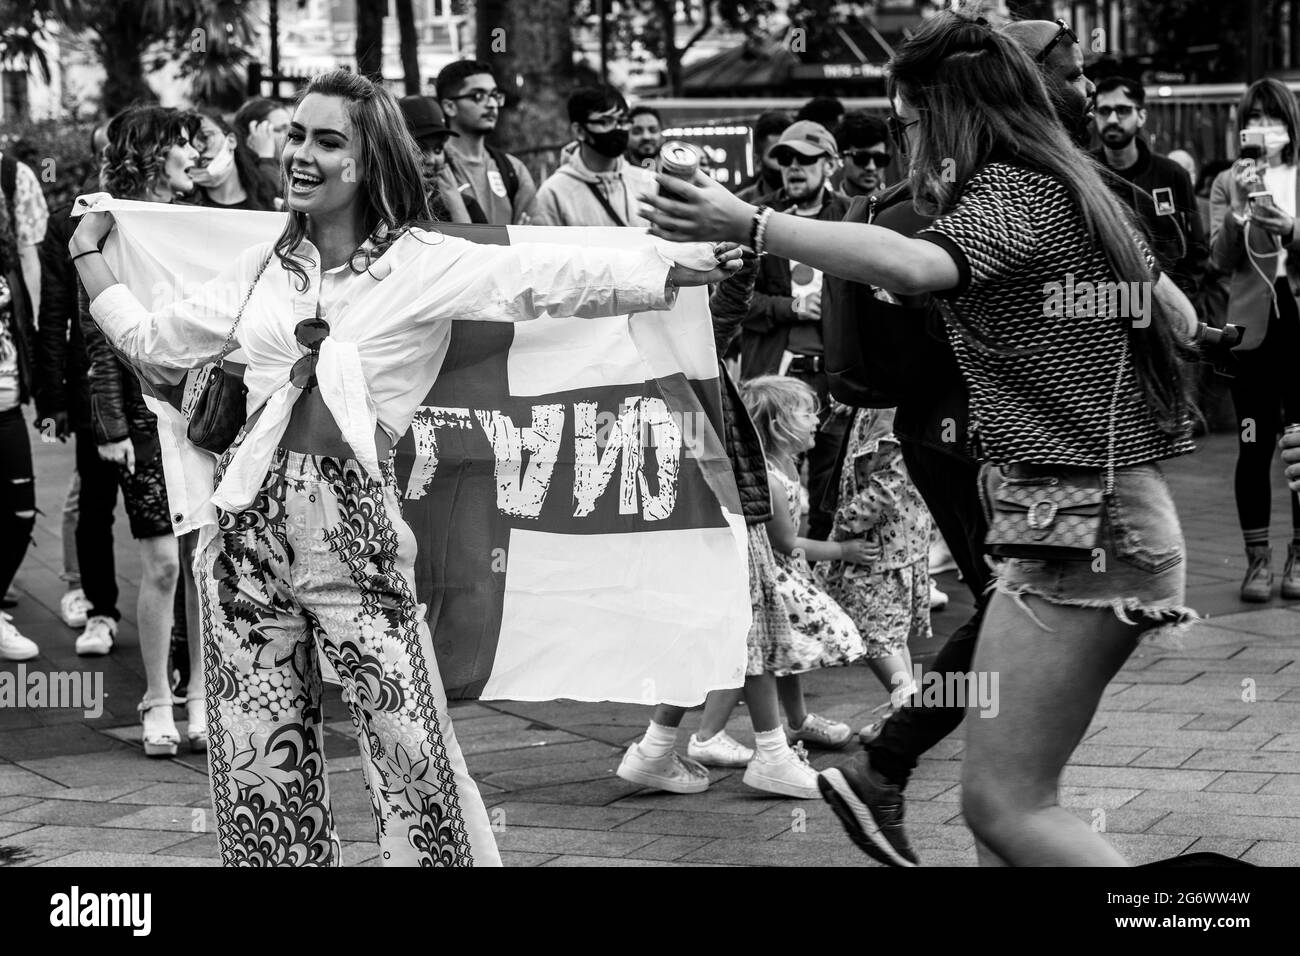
[(871, 813)]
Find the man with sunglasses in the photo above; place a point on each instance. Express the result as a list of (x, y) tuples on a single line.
[(1155, 187), (783, 331), (863, 142), (496, 187), (595, 185)]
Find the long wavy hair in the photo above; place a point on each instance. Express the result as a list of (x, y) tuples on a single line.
[(139, 139), (979, 96), (392, 192), (250, 177)]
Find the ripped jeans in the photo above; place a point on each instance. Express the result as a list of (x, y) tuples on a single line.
[(1141, 569), (17, 494)]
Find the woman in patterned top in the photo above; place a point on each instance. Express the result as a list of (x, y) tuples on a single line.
[(1058, 389)]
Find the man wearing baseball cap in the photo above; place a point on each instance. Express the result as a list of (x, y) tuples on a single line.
[(783, 332), (426, 124)]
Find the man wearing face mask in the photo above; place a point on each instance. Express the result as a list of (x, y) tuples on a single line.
[(595, 186)]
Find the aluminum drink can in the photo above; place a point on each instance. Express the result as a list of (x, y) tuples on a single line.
[(679, 159)]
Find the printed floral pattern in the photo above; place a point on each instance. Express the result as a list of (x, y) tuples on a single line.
[(821, 634), (318, 565)]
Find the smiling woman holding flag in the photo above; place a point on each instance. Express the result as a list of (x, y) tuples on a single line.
[(344, 321)]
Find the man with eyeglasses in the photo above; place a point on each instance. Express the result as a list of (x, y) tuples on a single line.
[(864, 146), (495, 186), (1153, 186), (594, 185), (782, 332)]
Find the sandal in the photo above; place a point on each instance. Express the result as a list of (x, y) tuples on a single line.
[(158, 728), (196, 712)]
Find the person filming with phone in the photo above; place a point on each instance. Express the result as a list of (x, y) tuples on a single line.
[(1253, 239)]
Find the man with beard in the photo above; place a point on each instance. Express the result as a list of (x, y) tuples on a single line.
[(783, 333), (644, 136), (864, 145), (594, 186), (1171, 213), (893, 350), (496, 187)]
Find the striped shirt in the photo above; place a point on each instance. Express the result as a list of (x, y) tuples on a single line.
[(1053, 321)]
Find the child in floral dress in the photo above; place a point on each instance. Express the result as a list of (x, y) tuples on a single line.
[(888, 598)]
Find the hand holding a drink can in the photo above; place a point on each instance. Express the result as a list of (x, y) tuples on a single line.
[(697, 209)]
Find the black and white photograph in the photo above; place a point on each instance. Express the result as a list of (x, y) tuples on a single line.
[(652, 433)]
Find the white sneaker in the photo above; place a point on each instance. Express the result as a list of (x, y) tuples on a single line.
[(817, 731), (97, 639), (720, 750), (938, 600), (671, 772), (790, 775), (13, 646), (74, 608), (941, 558)]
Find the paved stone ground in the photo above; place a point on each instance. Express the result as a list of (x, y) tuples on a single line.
[(1175, 761)]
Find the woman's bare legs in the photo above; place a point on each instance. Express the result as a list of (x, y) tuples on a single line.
[(1049, 685)]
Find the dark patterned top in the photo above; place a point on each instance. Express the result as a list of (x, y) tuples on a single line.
[(1026, 264)]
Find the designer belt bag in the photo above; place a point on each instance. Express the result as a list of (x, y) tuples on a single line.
[(221, 409), (1046, 518)]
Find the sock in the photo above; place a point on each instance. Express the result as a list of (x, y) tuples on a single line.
[(771, 744), (1255, 536), (658, 741)]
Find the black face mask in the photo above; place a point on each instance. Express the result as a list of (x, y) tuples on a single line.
[(610, 144)]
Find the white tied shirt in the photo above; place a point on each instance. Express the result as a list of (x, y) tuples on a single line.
[(389, 327)]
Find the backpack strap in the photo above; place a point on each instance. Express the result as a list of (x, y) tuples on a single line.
[(507, 170)]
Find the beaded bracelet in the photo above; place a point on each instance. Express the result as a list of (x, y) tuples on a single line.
[(760, 229)]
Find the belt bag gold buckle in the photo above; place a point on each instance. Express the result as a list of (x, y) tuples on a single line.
[(1046, 518)]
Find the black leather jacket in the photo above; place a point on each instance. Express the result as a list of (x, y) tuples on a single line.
[(61, 379), (730, 304), (117, 408)]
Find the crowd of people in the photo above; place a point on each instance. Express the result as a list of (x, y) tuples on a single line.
[(897, 399)]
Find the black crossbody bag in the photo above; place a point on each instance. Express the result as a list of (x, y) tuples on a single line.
[(221, 409)]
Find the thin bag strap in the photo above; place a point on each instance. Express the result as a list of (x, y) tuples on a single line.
[(1110, 434), (605, 202), (240, 314)]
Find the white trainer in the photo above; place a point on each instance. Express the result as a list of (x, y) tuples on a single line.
[(938, 600), (13, 646), (97, 639), (74, 608), (790, 775), (672, 772), (720, 750)]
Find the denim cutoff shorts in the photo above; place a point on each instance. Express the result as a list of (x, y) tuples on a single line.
[(1140, 568)]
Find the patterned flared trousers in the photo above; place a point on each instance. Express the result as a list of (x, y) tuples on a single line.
[(322, 564)]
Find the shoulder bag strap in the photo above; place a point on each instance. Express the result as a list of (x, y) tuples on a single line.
[(240, 314), (595, 191)]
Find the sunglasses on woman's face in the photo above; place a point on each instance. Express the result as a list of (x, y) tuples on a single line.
[(785, 157), (898, 132), (309, 333)]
